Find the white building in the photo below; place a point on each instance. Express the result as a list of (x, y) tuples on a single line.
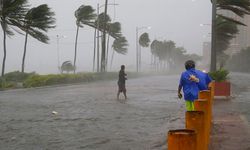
[(242, 39)]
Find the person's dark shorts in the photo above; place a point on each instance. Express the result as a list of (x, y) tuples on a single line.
[(122, 87)]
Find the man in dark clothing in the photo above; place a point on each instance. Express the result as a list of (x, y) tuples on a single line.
[(122, 82)]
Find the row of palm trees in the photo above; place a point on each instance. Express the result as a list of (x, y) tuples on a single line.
[(86, 16), (167, 55), (18, 16)]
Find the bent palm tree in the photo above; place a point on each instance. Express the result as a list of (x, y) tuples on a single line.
[(37, 21), (11, 14), (84, 16), (144, 42), (238, 7), (67, 66), (120, 46)]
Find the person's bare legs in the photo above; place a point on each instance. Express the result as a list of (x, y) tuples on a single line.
[(118, 93), (124, 93)]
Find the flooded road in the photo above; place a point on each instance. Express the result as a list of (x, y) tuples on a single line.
[(89, 116)]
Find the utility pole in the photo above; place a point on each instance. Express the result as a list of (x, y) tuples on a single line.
[(98, 41), (213, 40), (103, 65), (137, 51)]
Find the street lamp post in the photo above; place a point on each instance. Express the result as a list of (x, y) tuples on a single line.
[(58, 37), (213, 40), (138, 52)]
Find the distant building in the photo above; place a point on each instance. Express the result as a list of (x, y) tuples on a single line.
[(242, 39), (206, 55)]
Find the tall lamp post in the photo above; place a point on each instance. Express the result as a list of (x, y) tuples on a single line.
[(58, 37), (138, 52), (213, 40)]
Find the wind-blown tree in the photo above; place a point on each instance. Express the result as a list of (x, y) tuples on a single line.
[(112, 29), (11, 14), (238, 7), (99, 25), (119, 46), (67, 66), (169, 56), (84, 16), (37, 22), (225, 32), (144, 41)]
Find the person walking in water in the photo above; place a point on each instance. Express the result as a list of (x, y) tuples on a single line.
[(192, 81), (122, 82), (188, 82)]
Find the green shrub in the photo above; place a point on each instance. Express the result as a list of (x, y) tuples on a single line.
[(219, 75), (5, 84), (44, 80), (2, 83), (17, 76)]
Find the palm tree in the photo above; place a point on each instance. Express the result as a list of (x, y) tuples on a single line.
[(67, 66), (11, 14), (120, 46), (114, 30), (84, 16), (144, 41), (238, 7), (102, 23), (37, 21)]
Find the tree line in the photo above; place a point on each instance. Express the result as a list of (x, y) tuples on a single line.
[(16, 15)]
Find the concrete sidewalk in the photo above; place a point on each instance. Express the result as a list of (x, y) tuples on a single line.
[(231, 128)]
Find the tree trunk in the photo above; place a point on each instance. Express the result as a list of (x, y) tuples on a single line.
[(4, 48), (213, 44), (24, 51), (77, 31), (106, 63), (139, 58), (103, 69), (94, 51), (112, 58)]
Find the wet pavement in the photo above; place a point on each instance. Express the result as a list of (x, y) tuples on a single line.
[(89, 116), (231, 117)]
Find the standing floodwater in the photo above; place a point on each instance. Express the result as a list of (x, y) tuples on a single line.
[(89, 116)]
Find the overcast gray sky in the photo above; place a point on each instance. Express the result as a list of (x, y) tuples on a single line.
[(177, 20)]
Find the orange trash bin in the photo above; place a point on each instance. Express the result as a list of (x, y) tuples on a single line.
[(195, 120), (202, 105), (182, 139)]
